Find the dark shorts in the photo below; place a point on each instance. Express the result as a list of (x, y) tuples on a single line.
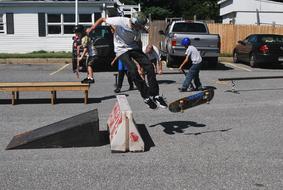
[(91, 61)]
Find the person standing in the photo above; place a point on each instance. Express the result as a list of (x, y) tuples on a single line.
[(152, 53), (88, 50), (122, 71), (193, 56), (128, 48)]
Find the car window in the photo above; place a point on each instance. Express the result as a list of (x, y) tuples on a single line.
[(252, 39), (101, 32), (272, 39), (267, 39), (167, 29), (189, 27), (246, 40), (279, 39)]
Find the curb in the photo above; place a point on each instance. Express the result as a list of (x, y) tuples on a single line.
[(36, 61), (226, 59)]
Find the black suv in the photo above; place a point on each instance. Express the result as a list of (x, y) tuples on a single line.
[(103, 42)]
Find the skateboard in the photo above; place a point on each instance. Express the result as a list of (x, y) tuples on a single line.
[(196, 99)]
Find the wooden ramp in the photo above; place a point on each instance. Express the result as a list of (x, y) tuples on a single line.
[(52, 87), (78, 131)]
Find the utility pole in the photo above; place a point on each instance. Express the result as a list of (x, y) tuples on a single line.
[(76, 12)]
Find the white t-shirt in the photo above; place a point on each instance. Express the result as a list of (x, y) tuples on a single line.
[(194, 54), (125, 38)]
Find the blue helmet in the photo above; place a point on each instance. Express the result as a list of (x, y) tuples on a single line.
[(186, 42)]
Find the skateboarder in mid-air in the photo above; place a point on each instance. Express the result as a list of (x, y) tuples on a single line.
[(193, 56), (128, 46)]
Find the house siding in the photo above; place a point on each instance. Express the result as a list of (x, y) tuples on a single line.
[(17, 44), (245, 12), (26, 25), (26, 28), (26, 37)]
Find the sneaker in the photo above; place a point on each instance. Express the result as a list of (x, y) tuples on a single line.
[(117, 90), (151, 104), (191, 89), (160, 101), (182, 90), (88, 80)]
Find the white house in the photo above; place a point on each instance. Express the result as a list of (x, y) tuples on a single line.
[(27, 26), (251, 12)]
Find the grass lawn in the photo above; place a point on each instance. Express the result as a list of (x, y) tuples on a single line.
[(37, 54)]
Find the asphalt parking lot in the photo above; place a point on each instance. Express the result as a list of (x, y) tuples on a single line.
[(235, 142)]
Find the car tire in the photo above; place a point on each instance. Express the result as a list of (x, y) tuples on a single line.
[(252, 60), (170, 61), (235, 57)]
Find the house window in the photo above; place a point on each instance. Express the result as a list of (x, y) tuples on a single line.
[(69, 18), (2, 24), (68, 23), (68, 29), (54, 23), (85, 18), (64, 23)]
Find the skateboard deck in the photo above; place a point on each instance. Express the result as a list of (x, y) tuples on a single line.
[(192, 100)]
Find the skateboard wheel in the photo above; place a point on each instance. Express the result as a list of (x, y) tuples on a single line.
[(206, 95)]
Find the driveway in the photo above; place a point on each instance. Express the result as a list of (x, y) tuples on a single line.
[(235, 142)]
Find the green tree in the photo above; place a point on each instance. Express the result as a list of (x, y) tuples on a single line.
[(158, 13), (129, 2), (160, 9)]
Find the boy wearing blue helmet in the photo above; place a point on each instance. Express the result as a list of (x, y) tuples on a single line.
[(193, 56)]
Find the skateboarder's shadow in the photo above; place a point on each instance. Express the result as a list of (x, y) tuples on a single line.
[(173, 127)]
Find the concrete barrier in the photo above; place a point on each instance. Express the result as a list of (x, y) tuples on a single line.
[(123, 133)]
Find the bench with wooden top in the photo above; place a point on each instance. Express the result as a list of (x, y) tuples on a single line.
[(53, 87)]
